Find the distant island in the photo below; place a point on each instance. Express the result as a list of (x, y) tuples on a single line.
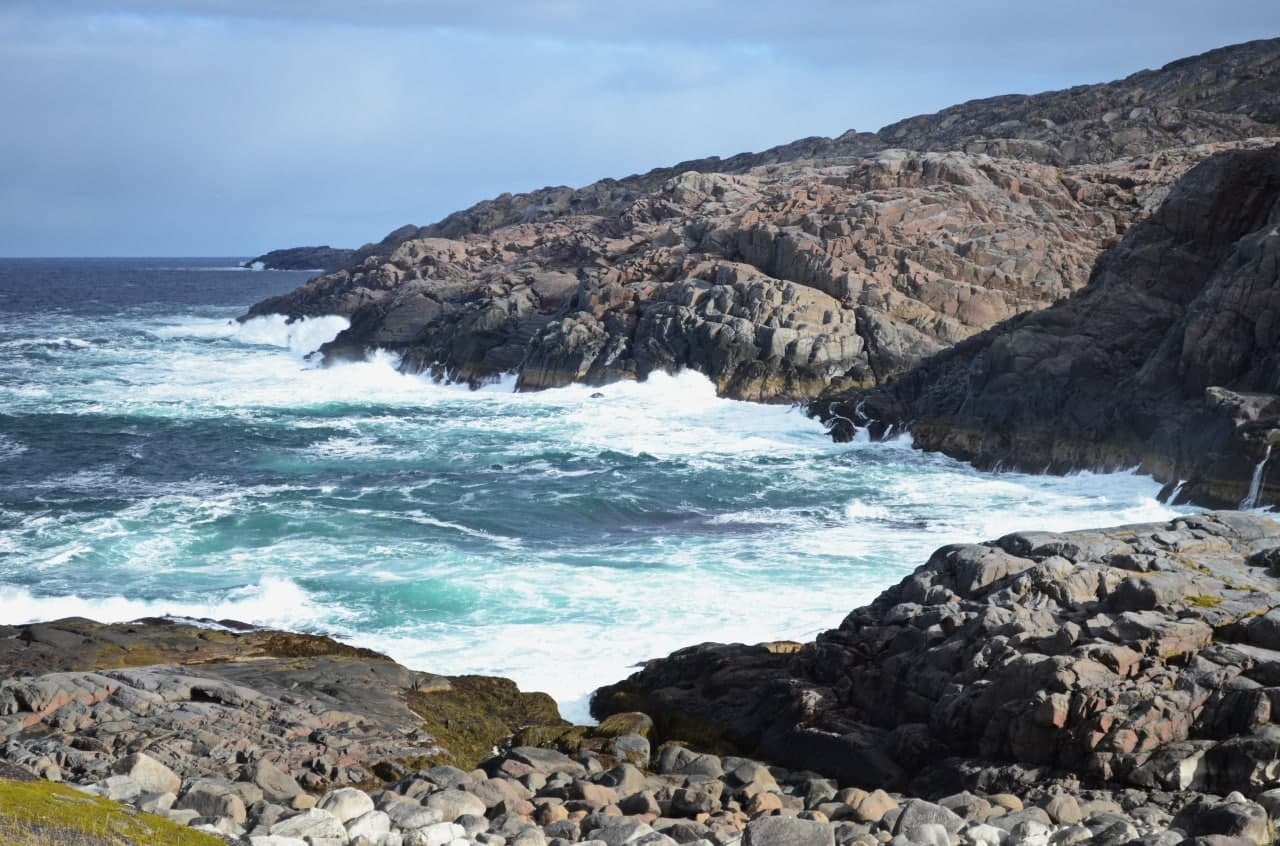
[(326, 259)]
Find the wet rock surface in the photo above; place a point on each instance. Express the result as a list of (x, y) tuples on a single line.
[(1167, 360), (826, 263)]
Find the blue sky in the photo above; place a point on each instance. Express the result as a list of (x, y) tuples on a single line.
[(230, 127)]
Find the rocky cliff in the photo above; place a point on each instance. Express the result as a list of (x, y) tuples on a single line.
[(825, 263), (1169, 359)]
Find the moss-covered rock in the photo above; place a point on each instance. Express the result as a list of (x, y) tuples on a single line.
[(473, 714)]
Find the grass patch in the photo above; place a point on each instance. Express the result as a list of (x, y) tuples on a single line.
[(39, 813)]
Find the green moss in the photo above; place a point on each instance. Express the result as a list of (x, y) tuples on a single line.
[(668, 725), (39, 813), (1204, 600), (475, 713), (567, 739), (626, 722)]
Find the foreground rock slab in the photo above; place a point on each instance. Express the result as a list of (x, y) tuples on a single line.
[(157, 701)]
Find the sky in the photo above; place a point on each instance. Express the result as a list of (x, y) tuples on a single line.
[(231, 127)]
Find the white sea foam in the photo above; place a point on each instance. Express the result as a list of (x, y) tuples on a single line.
[(301, 337), (272, 602), (680, 416), (47, 343)]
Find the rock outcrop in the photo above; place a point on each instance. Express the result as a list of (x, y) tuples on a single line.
[(324, 259), (1169, 360), (822, 264), (1141, 656), (77, 697)]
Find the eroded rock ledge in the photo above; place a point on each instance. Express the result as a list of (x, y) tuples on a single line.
[(1141, 656)]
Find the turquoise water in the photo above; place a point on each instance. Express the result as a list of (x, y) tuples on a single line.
[(156, 457)]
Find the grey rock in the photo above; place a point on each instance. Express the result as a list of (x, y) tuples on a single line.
[(917, 812), (310, 824), (787, 831), (346, 803), (150, 774), (453, 803)]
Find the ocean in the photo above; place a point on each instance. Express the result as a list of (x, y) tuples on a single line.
[(158, 457)]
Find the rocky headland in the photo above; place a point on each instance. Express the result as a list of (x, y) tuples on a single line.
[(324, 259), (825, 263), (837, 267), (1115, 686)]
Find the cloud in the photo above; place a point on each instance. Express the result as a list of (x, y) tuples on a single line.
[(195, 126)]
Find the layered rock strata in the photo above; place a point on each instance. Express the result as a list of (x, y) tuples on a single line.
[(1141, 656), (1169, 360), (824, 263)]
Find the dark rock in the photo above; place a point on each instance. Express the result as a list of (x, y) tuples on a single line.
[(322, 259), (952, 658), (1234, 817)]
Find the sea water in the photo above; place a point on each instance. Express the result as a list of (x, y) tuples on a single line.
[(159, 457)]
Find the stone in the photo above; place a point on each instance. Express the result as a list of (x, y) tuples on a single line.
[(213, 798), (151, 775), (276, 785), (916, 812), (370, 825), (309, 825), (1064, 809), (631, 748), (873, 806), (452, 803), (787, 831), (346, 803), (1233, 817), (410, 815), (988, 835), (436, 834), (928, 834)]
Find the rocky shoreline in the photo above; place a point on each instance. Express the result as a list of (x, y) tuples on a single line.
[(1108, 686), (961, 274)]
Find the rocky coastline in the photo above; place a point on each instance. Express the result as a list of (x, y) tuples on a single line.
[(1108, 686), (867, 273)]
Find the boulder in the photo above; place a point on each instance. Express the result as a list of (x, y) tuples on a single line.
[(150, 774)]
